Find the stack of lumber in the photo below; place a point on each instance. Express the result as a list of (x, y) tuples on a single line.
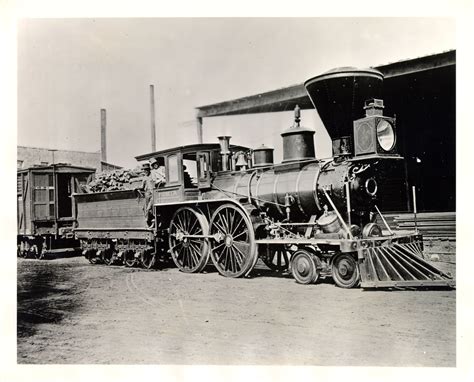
[(432, 225)]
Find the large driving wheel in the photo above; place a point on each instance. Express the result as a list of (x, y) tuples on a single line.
[(276, 257), (234, 252), (345, 271), (305, 267), (190, 254)]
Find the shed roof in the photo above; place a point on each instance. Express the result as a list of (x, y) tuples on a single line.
[(284, 99)]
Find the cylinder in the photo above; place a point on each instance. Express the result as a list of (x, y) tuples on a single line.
[(262, 156)]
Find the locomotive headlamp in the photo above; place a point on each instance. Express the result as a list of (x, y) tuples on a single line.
[(374, 134), (385, 135)]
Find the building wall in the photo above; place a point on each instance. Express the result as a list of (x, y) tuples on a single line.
[(30, 156)]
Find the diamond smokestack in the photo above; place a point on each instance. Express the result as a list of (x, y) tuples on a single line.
[(339, 95)]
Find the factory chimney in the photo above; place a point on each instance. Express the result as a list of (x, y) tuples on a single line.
[(103, 138), (152, 114)]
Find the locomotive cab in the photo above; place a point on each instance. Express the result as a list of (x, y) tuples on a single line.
[(189, 170)]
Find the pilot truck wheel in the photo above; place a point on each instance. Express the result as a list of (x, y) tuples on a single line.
[(345, 271)]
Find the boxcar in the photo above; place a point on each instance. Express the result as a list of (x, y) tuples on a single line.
[(45, 211)]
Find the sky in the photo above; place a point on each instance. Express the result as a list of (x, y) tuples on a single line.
[(68, 69)]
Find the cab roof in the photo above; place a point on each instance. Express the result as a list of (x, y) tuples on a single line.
[(58, 167), (188, 149)]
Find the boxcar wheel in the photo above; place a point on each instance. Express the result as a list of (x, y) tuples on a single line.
[(129, 259), (189, 254), (107, 257), (345, 271), (304, 267), (148, 259), (235, 253), (36, 252)]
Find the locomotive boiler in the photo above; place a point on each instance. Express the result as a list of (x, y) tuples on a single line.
[(312, 218)]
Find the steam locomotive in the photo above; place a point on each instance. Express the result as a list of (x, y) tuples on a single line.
[(312, 218)]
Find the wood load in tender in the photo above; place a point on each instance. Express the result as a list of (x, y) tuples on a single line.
[(230, 205)]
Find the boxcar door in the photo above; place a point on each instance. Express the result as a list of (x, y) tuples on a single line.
[(43, 196)]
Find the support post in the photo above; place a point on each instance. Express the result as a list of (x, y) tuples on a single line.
[(348, 197), (152, 118), (103, 135), (199, 129), (414, 208)]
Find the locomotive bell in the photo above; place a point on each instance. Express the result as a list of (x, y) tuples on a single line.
[(298, 142), (262, 156)]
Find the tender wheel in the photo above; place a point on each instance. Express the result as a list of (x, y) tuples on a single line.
[(304, 267), (189, 254), (23, 250), (107, 256), (91, 255), (148, 259), (234, 252), (277, 258), (36, 252), (345, 271), (129, 259)]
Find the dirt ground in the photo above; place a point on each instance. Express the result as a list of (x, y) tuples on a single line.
[(70, 311)]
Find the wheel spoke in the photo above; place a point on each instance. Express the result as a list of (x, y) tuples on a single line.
[(226, 257), (196, 253), (219, 227), (221, 255), (180, 252), (224, 223), (220, 245), (240, 234), (241, 253), (242, 245), (183, 228), (238, 225), (238, 257), (175, 246), (231, 219)]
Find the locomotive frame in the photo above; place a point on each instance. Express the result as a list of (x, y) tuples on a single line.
[(199, 224)]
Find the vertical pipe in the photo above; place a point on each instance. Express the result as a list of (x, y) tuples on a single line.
[(414, 207), (103, 135), (152, 114), (199, 129), (348, 197)]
